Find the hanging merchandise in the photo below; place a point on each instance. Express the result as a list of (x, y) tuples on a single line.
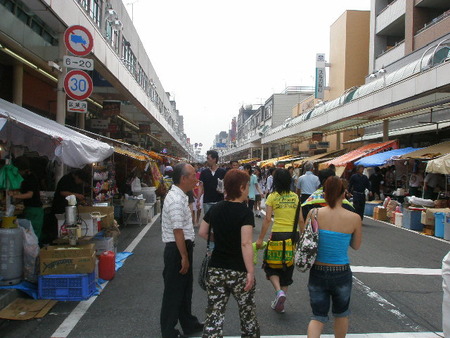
[(104, 179)]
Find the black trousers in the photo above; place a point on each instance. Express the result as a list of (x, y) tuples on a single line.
[(359, 203), (177, 296)]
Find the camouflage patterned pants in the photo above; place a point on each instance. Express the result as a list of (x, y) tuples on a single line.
[(222, 283)]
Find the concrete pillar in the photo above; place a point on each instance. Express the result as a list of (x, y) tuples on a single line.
[(385, 130), (269, 155), (262, 153), (18, 84), (338, 140)]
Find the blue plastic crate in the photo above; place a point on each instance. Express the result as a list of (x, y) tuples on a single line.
[(67, 287), (411, 219)]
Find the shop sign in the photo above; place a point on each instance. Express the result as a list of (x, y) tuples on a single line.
[(111, 108), (99, 124), (320, 76), (77, 106), (145, 128), (113, 128), (323, 144)]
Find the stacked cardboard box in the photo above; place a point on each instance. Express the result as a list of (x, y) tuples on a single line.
[(380, 213)]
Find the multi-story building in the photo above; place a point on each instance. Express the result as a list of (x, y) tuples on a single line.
[(32, 71), (405, 94)]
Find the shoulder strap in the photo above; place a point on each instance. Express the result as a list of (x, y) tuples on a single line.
[(297, 215), (209, 237)]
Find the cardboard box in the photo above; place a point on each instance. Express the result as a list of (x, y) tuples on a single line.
[(427, 217), (107, 221), (380, 213), (103, 244), (64, 259)]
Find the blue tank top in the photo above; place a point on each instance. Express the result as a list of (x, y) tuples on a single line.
[(333, 247)]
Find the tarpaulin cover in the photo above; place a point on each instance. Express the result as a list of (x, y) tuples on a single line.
[(22, 127), (356, 154), (429, 153), (384, 157), (440, 165)]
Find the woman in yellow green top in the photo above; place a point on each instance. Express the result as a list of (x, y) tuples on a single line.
[(282, 202)]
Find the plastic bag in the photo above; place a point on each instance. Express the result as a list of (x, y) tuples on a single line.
[(136, 185), (263, 203), (30, 251)]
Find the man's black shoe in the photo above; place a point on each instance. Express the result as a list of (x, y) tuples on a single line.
[(198, 327)]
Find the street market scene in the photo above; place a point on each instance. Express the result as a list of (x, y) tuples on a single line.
[(320, 202)]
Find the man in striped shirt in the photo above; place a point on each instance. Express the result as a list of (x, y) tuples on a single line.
[(178, 235)]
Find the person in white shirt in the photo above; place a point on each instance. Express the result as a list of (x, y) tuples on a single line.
[(446, 300), (178, 235), (307, 183)]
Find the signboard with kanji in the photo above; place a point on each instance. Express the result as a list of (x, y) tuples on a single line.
[(77, 106)]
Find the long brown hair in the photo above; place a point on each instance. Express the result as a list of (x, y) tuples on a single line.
[(333, 189)]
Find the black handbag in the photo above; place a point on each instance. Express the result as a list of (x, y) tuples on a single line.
[(203, 274)]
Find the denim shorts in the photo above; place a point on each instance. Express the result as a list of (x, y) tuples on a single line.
[(326, 287)]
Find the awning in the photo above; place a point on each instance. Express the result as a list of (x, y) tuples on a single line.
[(398, 132), (384, 157), (317, 157), (430, 152), (273, 161), (356, 154), (130, 153), (440, 165), (22, 127), (249, 160)]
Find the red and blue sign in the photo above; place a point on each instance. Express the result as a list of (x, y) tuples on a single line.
[(78, 40), (78, 85)]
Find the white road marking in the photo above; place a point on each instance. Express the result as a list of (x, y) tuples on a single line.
[(397, 271), (74, 317), (386, 305), (369, 335)]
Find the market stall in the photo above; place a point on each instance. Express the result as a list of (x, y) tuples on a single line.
[(344, 163)]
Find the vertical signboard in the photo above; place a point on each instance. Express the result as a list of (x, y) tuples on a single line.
[(320, 76)]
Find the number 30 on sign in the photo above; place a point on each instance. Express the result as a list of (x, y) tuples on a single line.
[(78, 85)]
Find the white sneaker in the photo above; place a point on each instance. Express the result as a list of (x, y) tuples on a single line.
[(278, 303)]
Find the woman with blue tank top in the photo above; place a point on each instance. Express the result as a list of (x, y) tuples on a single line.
[(330, 278)]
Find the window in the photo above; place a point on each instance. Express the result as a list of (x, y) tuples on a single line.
[(94, 11)]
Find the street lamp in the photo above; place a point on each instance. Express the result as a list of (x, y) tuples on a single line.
[(132, 8)]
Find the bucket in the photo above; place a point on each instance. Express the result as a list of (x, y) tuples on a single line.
[(8, 222), (149, 194), (439, 224), (11, 261), (107, 265), (447, 227)]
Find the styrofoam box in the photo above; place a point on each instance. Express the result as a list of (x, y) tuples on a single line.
[(103, 244)]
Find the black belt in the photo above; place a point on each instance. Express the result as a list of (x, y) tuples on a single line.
[(331, 268), (188, 242), (357, 192)]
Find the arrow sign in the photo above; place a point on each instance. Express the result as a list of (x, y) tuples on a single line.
[(78, 40), (78, 85)]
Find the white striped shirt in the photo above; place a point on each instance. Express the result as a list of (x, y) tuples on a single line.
[(176, 215)]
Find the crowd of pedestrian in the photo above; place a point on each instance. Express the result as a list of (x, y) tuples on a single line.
[(232, 197)]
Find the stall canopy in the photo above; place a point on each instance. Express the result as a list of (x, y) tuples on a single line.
[(273, 161), (440, 165), (383, 158), (319, 157), (430, 152), (21, 127)]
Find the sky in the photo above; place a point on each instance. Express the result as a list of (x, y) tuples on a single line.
[(216, 56)]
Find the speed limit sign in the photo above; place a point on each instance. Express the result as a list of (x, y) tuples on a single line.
[(78, 85)]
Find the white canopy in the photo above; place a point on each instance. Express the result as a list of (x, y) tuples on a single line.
[(22, 127), (440, 165)]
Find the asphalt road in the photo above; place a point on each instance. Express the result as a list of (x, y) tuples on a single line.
[(406, 300)]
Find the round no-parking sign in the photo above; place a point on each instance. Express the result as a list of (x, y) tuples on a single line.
[(78, 85), (78, 40)]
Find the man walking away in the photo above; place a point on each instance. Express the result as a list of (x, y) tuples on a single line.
[(357, 187), (210, 178), (178, 235), (307, 183)]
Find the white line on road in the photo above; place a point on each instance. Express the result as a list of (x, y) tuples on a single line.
[(398, 271), (369, 335), (74, 317)]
